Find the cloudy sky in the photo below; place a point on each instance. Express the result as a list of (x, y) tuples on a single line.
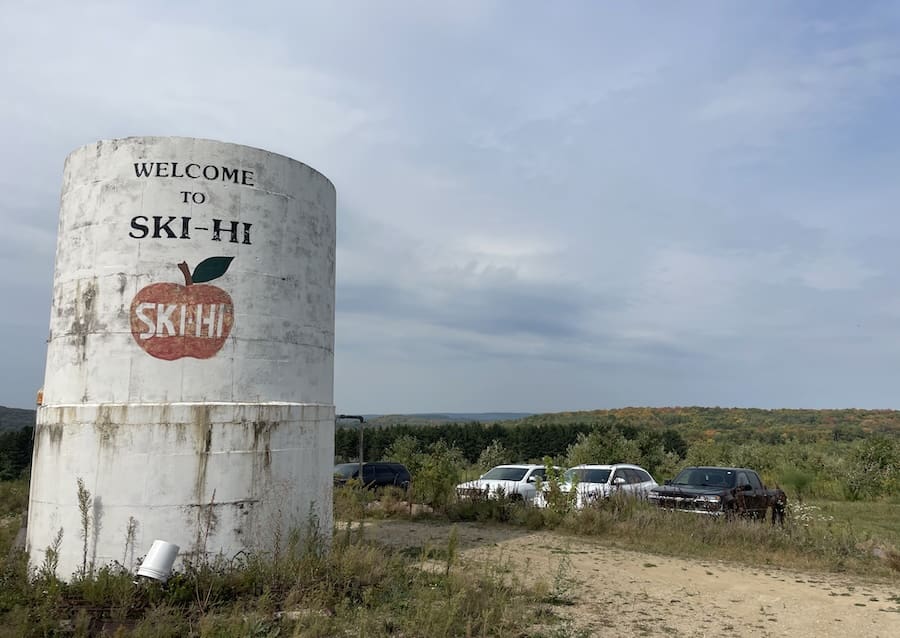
[(541, 206)]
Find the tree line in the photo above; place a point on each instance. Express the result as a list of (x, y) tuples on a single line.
[(525, 442), (15, 453), (825, 453), (813, 453)]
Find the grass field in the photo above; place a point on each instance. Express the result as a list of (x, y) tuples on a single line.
[(878, 520), (346, 586), (811, 539), (358, 586), (861, 538)]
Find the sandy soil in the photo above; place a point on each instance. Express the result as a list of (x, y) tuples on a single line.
[(622, 593)]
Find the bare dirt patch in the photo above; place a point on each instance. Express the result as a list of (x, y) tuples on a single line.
[(619, 592)]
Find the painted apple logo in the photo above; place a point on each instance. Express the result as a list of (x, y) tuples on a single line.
[(170, 321)]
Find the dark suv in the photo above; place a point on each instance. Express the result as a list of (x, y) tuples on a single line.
[(374, 474)]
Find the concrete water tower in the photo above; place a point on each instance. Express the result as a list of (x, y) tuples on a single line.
[(189, 380)]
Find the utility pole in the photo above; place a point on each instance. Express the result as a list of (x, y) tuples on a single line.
[(362, 420)]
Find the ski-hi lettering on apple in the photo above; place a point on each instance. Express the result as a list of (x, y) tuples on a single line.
[(170, 321)]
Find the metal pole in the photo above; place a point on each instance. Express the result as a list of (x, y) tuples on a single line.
[(361, 420), (361, 453)]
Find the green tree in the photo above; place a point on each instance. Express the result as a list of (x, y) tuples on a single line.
[(654, 456), (438, 475), (874, 468), (797, 479), (602, 446), (494, 454), (674, 443), (706, 453), (405, 449), (15, 453)]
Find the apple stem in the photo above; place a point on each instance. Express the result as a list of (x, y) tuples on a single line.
[(188, 280)]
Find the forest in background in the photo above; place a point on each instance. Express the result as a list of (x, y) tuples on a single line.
[(834, 454), (536, 436), (13, 419), (839, 454)]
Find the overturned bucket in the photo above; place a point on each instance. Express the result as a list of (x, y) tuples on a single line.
[(159, 561)]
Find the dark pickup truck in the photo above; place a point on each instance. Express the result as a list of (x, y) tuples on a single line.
[(720, 491)]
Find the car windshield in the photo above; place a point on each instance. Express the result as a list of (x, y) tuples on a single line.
[(346, 470), (505, 474), (705, 477), (586, 475)]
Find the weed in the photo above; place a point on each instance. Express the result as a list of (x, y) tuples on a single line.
[(130, 534), (315, 588), (563, 585), (46, 572), (893, 560), (452, 547), (551, 489), (13, 497), (85, 501)]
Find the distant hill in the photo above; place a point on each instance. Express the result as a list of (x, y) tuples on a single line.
[(438, 418), (14, 419), (699, 423), (694, 423)]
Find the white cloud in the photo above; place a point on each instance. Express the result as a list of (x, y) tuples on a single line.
[(567, 206), (835, 272), (775, 96)]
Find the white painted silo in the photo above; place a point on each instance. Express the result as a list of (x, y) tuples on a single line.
[(189, 380)]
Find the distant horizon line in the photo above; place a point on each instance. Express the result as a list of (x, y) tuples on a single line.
[(559, 411)]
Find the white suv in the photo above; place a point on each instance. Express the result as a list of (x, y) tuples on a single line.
[(514, 481), (593, 482)]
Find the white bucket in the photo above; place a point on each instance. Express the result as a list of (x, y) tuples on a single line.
[(159, 561)]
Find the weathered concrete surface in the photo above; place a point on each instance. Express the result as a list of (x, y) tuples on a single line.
[(189, 378), (282, 283), (211, 478)]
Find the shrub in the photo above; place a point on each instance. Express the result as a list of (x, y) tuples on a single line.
[(439, 472), (798, 480), (606, 445), (706, 453), (556, 499), (406, 450), (874, 469), (493, 455)]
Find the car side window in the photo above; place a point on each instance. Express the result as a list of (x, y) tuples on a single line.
[(384, 474), (539, 473), (755, 483), (402, 472), (620, 473), (644, 476), (634, 476), (742, 479)]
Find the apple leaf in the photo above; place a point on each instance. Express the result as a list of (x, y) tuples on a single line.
[(210, 269)]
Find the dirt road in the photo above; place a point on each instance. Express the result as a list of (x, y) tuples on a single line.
[(622, 593)]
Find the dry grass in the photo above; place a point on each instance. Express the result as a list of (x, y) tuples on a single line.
[(343, 585), (810, 539)]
